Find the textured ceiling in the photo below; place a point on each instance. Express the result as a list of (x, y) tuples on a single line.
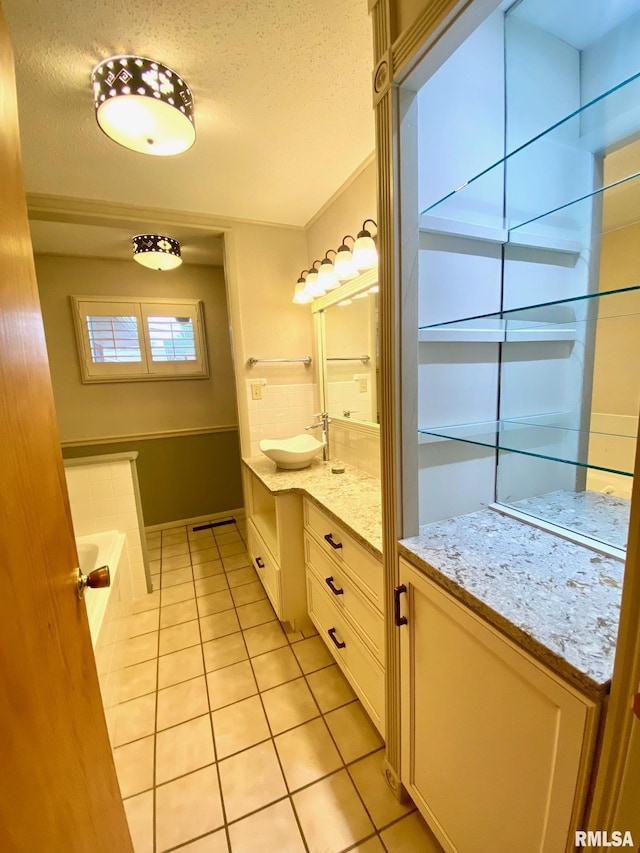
[(282, 101)]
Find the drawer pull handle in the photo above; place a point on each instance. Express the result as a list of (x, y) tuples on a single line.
[(332, 633), (259, 563), (397, 592), (329, 538), (334, 589)]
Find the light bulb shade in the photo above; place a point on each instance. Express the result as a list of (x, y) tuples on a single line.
[(156, 251), (365, 254), (326, 277), (343, 266), (314, 287), (143, 105), (300, 295)]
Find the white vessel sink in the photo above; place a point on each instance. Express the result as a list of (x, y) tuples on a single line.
[(292, 453)]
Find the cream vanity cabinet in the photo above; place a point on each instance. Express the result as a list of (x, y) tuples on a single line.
[(274, 532), (494, 746), (344, 595)]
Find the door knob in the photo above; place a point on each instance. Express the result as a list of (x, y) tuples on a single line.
[(97, 579)]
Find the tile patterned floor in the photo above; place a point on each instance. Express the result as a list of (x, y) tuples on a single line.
[(232, 735)]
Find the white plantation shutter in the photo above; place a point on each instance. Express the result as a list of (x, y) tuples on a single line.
[(135, 338)]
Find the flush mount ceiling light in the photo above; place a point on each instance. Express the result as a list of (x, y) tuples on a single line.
[(365, 255), (143, 105), (156, 251)]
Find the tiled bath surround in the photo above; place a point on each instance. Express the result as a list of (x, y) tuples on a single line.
[(230, 734), (102, 495)]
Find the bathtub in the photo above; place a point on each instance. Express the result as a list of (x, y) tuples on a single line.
[(104, 605)]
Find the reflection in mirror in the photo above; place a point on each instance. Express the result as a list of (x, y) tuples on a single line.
[(350, 368), (594, 352)]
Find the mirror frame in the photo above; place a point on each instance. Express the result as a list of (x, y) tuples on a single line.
[(364, 281)]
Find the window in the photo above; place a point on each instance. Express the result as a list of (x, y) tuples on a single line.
[(131, 339)]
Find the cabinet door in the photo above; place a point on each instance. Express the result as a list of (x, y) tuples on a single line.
[(492, 745)]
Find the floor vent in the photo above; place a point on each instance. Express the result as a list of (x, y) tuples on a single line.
[(214, 524)]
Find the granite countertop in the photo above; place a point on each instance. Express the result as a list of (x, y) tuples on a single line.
[(352, 499), (558, 600)]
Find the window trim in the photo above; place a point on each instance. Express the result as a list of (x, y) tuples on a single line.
[(147, 370)]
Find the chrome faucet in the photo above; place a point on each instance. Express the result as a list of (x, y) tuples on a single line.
[(324, 422)]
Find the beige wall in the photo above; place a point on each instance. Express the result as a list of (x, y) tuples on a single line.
[(128, 408)]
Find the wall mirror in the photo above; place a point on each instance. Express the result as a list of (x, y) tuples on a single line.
[(347, 344)]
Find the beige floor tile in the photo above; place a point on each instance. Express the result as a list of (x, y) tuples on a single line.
[(175, 550), (312, 654), (135, 650), (307, 753), (224, 652), (174, 537), (214, 603), (205, 570), (250, 780), (239, 726), (205, 555), (293, 636), (132, 720), (146, 602), (237, 561), (141, 623), (330, 688), (178, 593), (192, 534), (353, 731), (154, 553), (241, 576), (187, 807), (139, 812), (214, 583), (180, 666), (154, 566), (309, 631), (175, 577), (331, 814), (248, 593), (202, 543), (376, 794), (410, 833), (182, 702), (183, 748), (136, 680), (231, 684), (134, 765), (219, 625), (173, 614), (224, 538), (153, 538), (179, 637), (216, 842), (272, 829), (230, 549), (275, 668), (256, 613), (373, 845), (174, 564), (264, 638), (289, 705)]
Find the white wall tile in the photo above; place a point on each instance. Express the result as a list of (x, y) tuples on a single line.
[(122, 486)]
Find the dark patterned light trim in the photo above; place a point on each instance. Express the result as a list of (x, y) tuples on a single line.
[(156, 243)]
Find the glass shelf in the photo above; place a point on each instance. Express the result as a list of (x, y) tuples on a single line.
[(502, 197), (531, 437), (546, 321)]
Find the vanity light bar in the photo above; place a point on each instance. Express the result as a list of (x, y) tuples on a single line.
[(346, 265)]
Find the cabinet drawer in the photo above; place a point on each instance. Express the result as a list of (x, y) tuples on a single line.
[(363, 672), (347, 597), (265, 565), (343, 548)]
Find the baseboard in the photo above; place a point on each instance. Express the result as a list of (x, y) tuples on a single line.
[(238, 514)]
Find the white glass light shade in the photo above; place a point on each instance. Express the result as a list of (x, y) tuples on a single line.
[(374, 289), (344, 302), (343, 266), (156, 252), (360, 295), (314, 288), (143, 105), (326, 276), (365, 254), (300, 295)]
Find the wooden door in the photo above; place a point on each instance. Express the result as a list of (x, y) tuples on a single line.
[(58, 788)]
